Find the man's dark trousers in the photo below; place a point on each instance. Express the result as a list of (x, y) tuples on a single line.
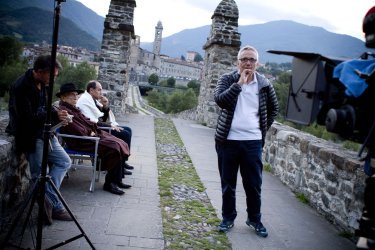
[(246, 156)]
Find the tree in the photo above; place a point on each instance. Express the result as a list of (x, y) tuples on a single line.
[(63, 60), (198, 58), (11, 65), (171, 82), (80, 74), (163, 83), (172, 103), (153, 79), (9, 73), (284, 77), (282, 91), (183, 58), (181, 100), (10, 50), (157, 99), (195, 85)]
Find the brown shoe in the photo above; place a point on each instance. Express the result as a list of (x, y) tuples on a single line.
[(61, 214), (47, 212)]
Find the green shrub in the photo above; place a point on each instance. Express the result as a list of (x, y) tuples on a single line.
[(302, 198)]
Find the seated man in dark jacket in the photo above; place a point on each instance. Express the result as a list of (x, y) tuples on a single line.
[(112, 150)]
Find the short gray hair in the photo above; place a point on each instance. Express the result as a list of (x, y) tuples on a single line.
[(248, 47)]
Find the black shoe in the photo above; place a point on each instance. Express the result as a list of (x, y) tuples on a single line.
[(260, 230), (123, 185), (126, 172), (225, 226), (113, 188), (127, 166)]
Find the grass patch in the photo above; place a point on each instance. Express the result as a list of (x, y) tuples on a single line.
[(346, 234), (351, 145), (189, 219), (267, 167), (302, 198)]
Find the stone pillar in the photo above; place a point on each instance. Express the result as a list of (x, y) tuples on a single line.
[(115, 50), (221, 48), (133, 62)]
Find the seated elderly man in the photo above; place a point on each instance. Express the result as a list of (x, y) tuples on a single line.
[(95, 106), (112, 150)]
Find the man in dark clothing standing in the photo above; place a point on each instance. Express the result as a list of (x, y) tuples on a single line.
[(248, 108), (27, 116)]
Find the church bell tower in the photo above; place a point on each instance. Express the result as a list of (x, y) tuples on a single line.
[(157, 39)]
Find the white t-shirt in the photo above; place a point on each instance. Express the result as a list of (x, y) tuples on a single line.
[(245, 123)]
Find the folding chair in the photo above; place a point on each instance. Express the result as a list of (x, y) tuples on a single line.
[(80, 158)]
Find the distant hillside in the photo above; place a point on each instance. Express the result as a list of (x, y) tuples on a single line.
[(86, 19), (34, 25), (275, 35)]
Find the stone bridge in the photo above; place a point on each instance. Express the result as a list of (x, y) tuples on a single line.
[(330, 177)]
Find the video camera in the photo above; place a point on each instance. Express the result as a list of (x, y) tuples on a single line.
[(315, 95), (344, 103)]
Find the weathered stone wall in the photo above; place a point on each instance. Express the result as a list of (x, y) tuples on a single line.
[(330, 177), (14, 177)]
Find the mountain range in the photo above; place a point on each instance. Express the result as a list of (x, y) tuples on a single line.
[(30, 21), (276, 35)]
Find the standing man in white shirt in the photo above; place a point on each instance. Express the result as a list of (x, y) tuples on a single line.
[(248, 108)]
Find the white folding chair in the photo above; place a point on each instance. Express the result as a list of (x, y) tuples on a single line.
[(80, 158)]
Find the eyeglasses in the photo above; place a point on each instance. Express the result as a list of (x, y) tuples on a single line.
[(245, 60)]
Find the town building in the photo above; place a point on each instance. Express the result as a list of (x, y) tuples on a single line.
[(74, 55), (143, 63)]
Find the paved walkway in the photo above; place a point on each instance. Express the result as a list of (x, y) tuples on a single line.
[(133, 221), (291, 224)]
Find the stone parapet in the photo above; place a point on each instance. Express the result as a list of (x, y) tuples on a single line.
[(14, 178), (330, 177)]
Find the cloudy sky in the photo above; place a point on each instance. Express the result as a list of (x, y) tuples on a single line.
[(339, 16)]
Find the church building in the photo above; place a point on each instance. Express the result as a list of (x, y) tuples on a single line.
[(143, 63)]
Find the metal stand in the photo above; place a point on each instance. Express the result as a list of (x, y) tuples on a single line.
[(39, 189), (30, 201)]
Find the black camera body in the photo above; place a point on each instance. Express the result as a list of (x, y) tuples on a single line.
[(315, 95)]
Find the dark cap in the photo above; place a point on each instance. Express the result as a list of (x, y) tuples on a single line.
[(44, 63), (68, 87)]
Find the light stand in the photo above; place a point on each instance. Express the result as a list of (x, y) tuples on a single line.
[(40, 186)]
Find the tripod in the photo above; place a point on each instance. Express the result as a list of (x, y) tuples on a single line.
[(38, 195), (39, 189)]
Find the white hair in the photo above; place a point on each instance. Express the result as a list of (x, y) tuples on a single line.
[(248, 47)]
